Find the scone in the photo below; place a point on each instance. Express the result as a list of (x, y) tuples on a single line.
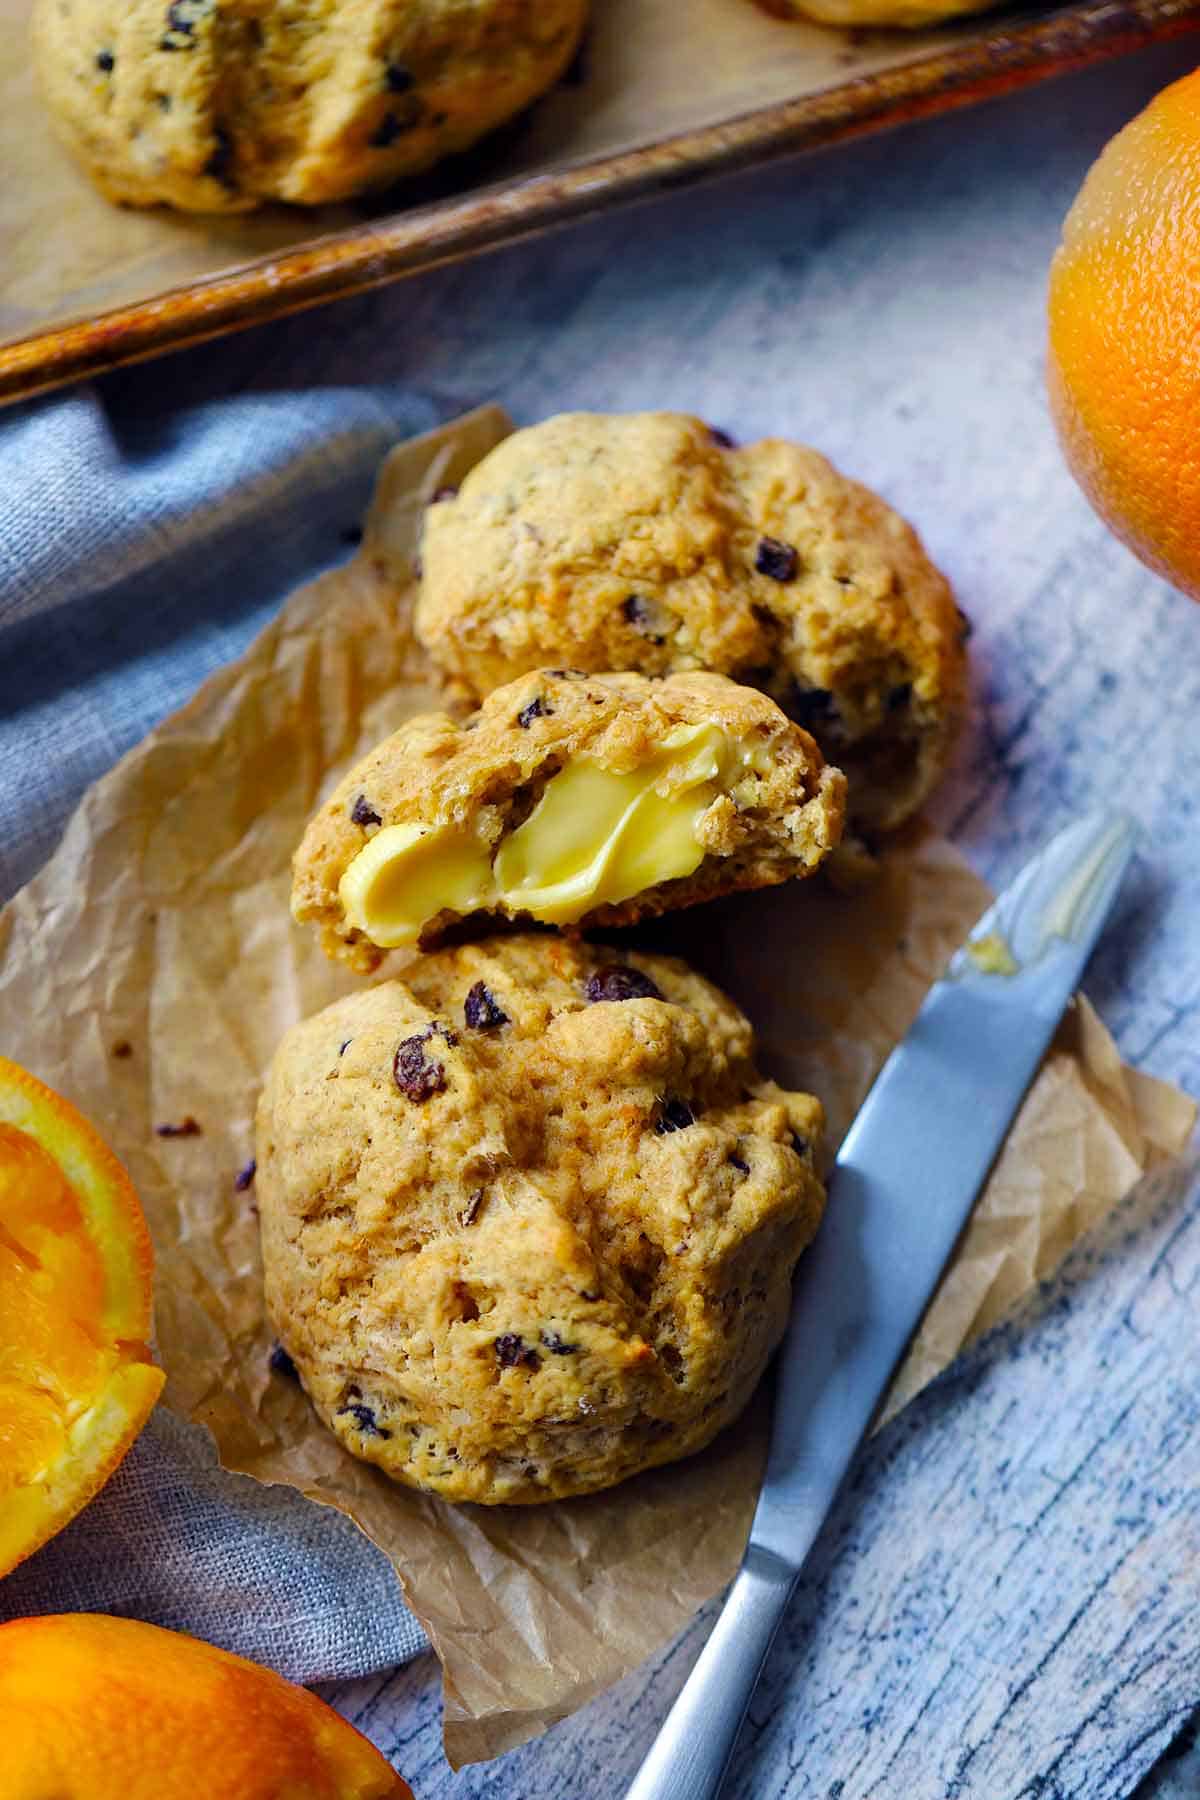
[(907, 14), (218, 105), (641, 541), (569, 799), (530, 1216)]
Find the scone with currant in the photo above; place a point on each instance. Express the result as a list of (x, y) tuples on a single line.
[(530, 1216), (645, 541), (569, 799), (219, 105)]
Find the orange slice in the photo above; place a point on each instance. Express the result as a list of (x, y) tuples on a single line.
[(76, 1380), (96, 1708)]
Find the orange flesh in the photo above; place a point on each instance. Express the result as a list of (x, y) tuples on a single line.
[(76, 1379), (53, 1359)]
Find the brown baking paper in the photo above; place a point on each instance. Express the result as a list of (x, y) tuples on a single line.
[(152, 966), (66, 253)]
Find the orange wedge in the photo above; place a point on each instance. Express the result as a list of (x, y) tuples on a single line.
[(76, 1380), (96, 1708)]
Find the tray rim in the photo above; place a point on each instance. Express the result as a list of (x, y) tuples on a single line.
[(387, 249)]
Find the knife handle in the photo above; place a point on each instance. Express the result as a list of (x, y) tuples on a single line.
[(692, 1751)]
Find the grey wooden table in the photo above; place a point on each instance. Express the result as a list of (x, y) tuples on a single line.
[(1004, 1603)]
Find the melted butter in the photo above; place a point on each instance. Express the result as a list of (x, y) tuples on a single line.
[(596, 838), (407, 874), (1062, 916), (992, 955)]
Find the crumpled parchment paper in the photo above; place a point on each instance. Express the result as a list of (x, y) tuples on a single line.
[(151, 967)]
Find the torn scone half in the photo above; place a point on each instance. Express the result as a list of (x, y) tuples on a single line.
[(567, 799)]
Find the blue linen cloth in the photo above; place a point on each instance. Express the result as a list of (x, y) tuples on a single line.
[(140, 548)]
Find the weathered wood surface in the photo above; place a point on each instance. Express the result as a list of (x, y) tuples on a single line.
[(1004, 1602), (1004, 1605)]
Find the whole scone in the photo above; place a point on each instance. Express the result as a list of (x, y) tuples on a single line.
[(218, 105), (641, 541), (570, 799), (529, 1217), (906, 14)]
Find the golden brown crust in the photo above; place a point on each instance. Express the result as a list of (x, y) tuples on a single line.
[(638, 541), (907, 15), (216, 108), (558, 1248), (436, 771)]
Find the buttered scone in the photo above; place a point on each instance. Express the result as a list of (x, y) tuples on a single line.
[(570, 799), (529, 1217), (218, 105), (641, 541)]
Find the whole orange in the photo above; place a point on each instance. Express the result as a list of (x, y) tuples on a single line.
[(96, 1708), (76, 1377), (1124, 367)]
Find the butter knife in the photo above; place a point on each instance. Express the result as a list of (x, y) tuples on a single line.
[(900, 1193)]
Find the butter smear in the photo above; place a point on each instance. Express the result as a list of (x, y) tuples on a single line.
[(595, 838)]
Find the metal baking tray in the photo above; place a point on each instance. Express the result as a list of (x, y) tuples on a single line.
[(667, 93)]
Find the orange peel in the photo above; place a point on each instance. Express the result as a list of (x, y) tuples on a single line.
[(99, 1708), (1124, 314)]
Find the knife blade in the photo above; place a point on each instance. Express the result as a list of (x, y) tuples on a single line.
[(901, 1190)]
